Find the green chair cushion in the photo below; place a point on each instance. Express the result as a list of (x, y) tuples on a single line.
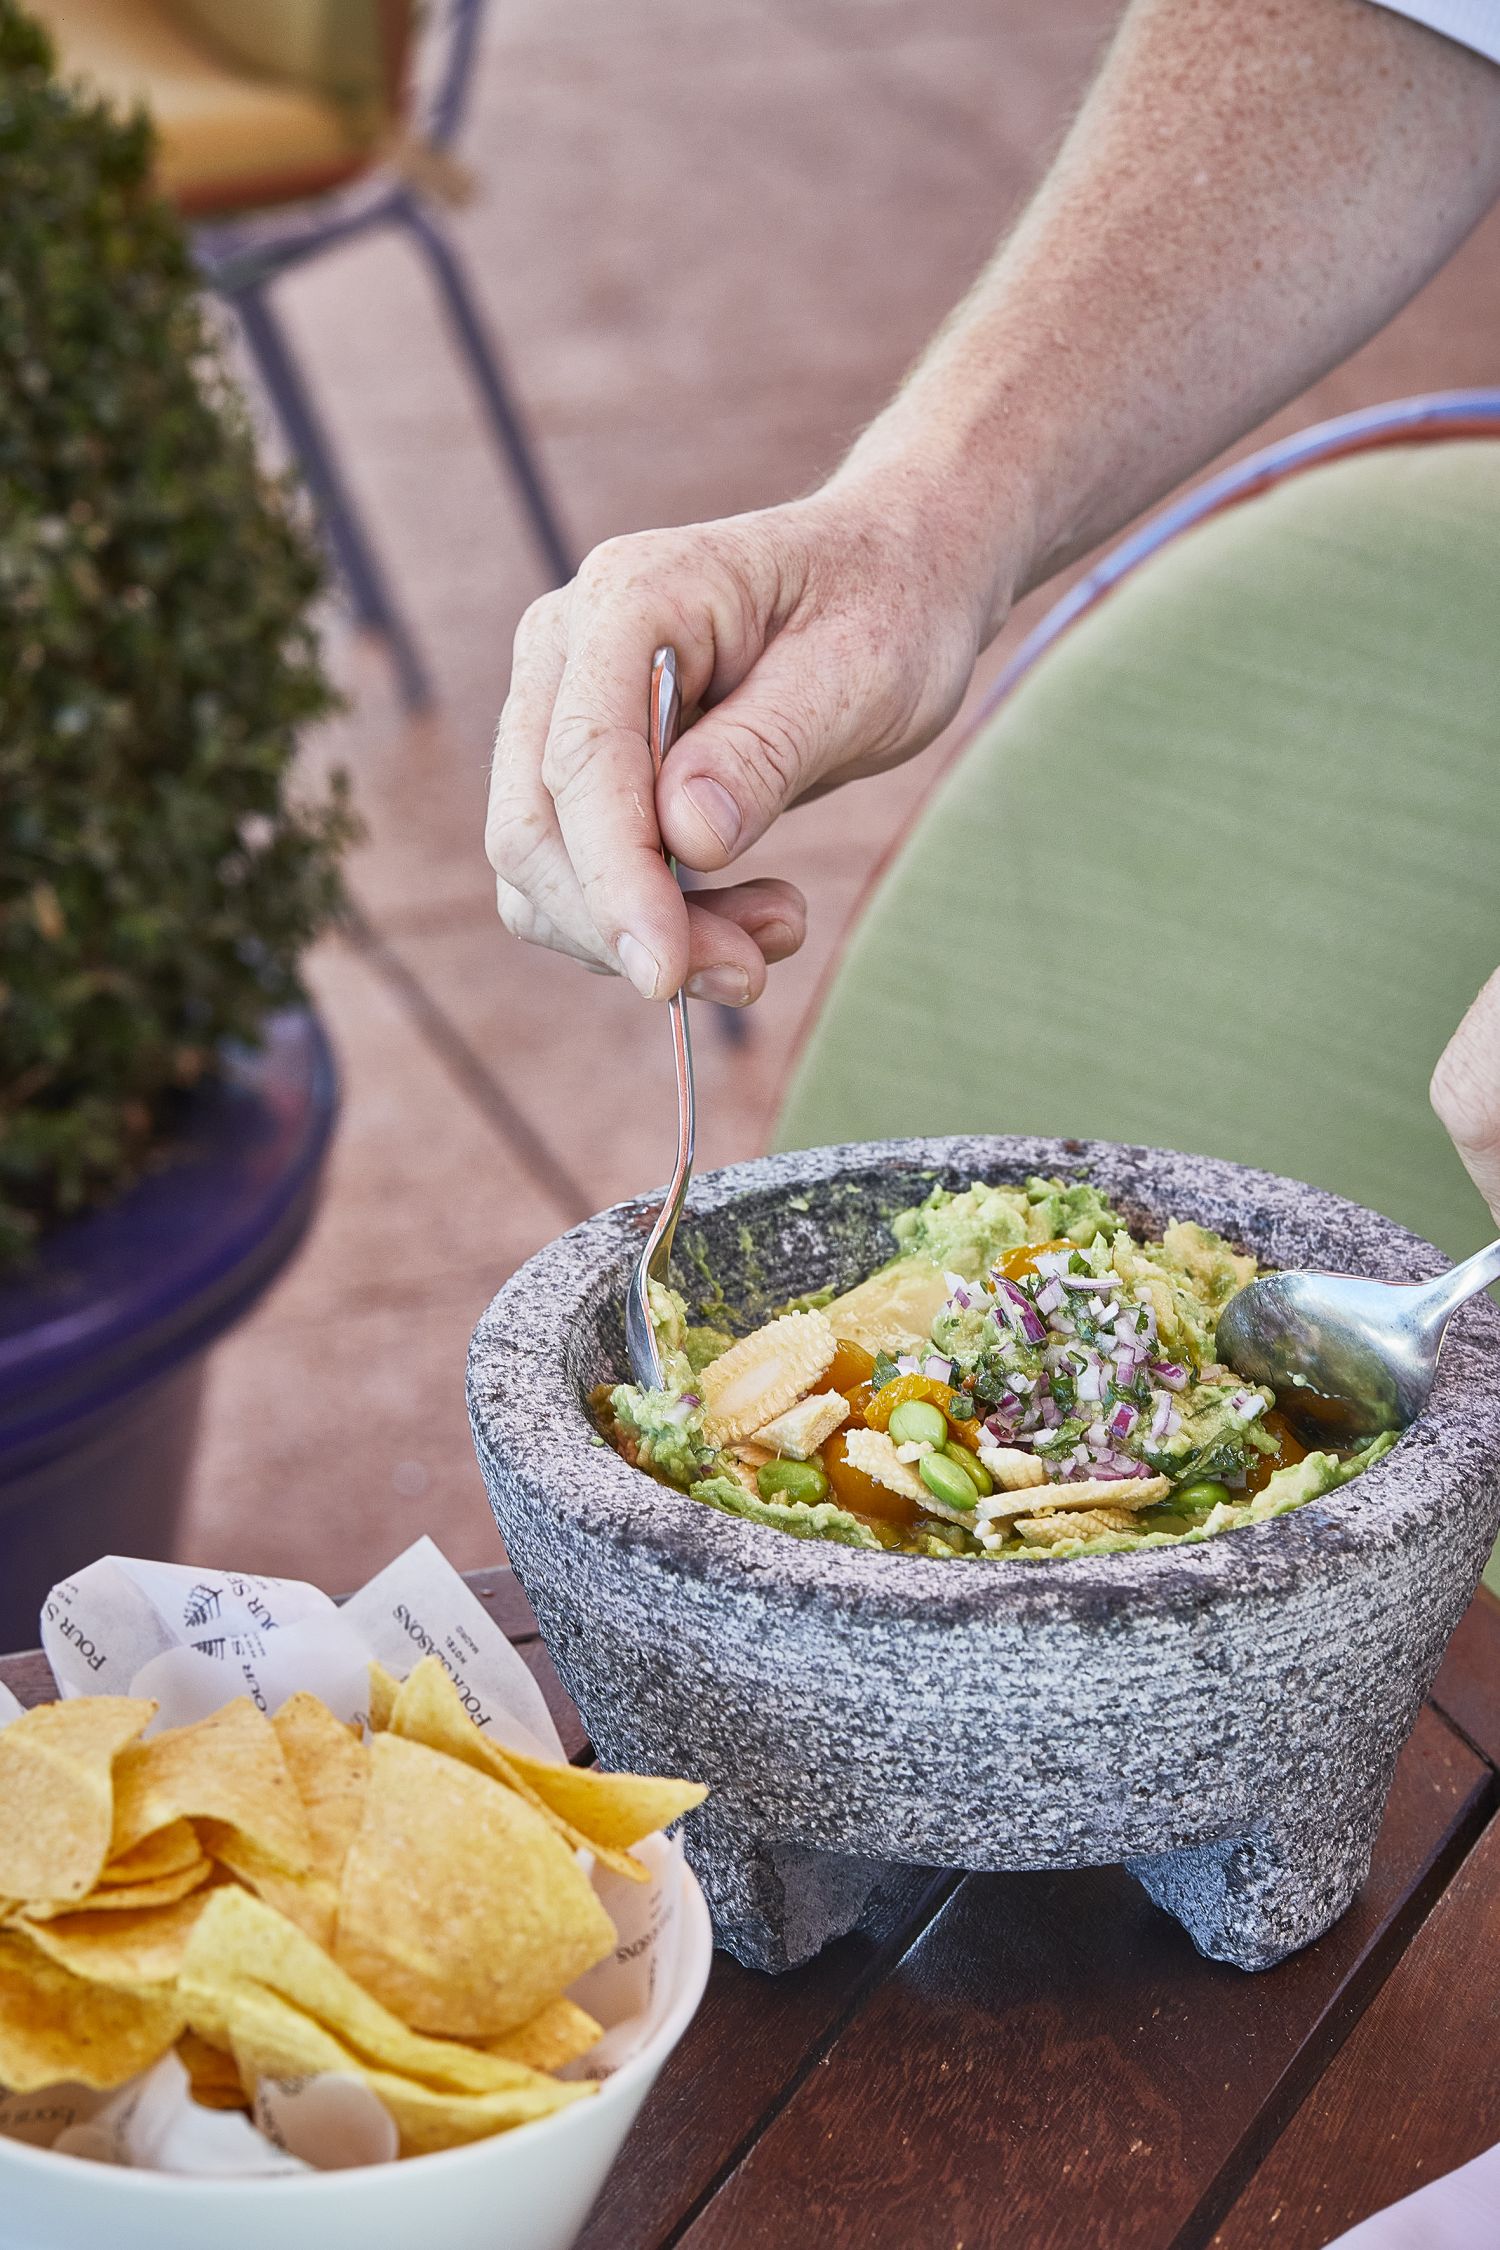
[(1221, 873)]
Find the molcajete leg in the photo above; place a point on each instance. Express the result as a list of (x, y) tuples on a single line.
[(1255, 1899), (774, 1904)]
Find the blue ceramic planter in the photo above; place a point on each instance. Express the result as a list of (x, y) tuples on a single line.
[(103, 1336)]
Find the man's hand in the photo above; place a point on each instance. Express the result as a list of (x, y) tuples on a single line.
[(1250, 190), (1466, 1092), (821, 640)]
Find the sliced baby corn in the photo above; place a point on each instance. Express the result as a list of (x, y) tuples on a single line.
[(875, 1452), (1073, 1523), (1122, 1493), (1078, 1523), (764, 1374), (1013, 1470), (799, 1432)]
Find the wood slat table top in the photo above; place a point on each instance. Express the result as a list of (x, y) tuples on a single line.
[(1042, 2062)]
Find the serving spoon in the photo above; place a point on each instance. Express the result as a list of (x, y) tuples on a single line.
[(664, 712), (1354, 1356)]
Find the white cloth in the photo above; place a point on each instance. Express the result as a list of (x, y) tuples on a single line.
[(1473, 23), (1458, 2212)]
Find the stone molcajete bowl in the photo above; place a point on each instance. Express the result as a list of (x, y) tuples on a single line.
[(1222, 1718)]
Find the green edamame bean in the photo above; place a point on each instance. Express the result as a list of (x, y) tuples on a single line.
[(948, 1480), (1204, 1492), (791, 1480), (973, 1468), (916, 1422)]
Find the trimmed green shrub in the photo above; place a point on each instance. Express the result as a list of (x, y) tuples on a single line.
[(158, 880)]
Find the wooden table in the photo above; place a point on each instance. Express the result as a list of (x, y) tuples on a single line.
[(1042, 2062)]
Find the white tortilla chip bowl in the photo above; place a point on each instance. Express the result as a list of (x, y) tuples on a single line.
[(530, 2189)]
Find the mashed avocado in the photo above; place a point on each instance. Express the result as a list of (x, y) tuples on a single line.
[(663, 1430), (966, 1233), (1021, 1342), (821, 1521)]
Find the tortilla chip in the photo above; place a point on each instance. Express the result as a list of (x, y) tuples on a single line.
[(57, 1792), (461, 1908), (145, 1947), (329, 1765), (127, 1898), (240, 1942), (384, 1688), (609, 1810), (556, 2034), (228, 1767), (54, 2025), (213, 2075), (310, 1900), (428, 1709), (167, 1851), (272, 2038)]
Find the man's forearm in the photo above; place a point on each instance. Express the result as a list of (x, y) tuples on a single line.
[(1251, 189)]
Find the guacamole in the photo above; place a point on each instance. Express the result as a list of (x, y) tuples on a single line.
[(1022, 1380)]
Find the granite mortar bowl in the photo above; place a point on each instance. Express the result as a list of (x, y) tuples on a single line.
[(1223, 1718)]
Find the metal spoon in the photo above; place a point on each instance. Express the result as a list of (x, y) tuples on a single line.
[(1354, 1356), (640, 1332)]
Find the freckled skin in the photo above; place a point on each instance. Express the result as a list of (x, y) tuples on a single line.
[(1251, 188)]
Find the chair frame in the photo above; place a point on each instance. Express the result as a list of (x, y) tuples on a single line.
[(1432, 417), (240, 258)]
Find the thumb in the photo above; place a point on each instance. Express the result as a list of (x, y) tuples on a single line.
[(746, 760), (1466, 1092)]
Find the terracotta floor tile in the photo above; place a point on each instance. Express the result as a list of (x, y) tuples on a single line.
[(335, 1423), (421, 1185), (330, 1445)]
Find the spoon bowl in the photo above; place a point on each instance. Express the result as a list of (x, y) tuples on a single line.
[(1350, 1356)]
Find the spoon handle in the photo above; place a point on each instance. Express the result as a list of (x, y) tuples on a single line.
[(665, 715), (1441, 1298)]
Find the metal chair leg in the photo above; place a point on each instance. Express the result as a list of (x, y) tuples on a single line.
[(305, 434), (484, 364)]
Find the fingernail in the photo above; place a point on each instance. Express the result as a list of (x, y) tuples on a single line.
[(639, 964), (777, 938), (714, 805), (731, 987)]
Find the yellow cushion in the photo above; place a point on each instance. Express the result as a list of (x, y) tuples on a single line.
[(224, 138), (348, 50)]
